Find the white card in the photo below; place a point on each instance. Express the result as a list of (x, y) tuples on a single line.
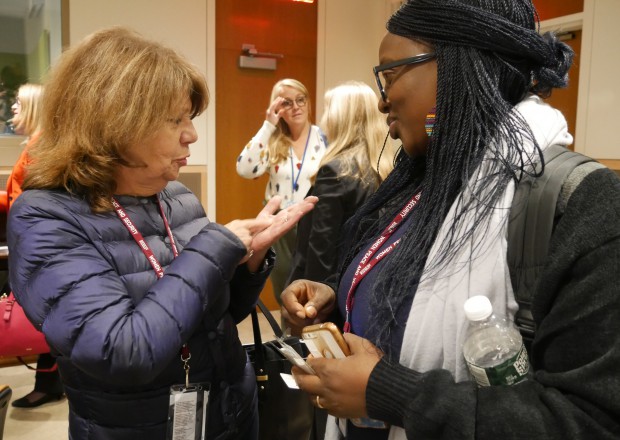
[(289, 381)]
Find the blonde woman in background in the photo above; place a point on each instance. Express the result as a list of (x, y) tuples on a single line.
[(289, 148), (25, 122), (351, 170)]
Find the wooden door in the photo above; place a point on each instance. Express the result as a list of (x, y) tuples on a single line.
[(557, 8), (242, 95)]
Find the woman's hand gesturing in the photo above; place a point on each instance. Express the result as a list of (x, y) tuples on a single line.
[(260, 233)]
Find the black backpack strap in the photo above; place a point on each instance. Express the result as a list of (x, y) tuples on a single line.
[(530, 227)]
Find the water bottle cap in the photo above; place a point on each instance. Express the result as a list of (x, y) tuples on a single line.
[(477, 308)]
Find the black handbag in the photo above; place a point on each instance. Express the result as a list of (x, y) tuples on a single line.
[(284, 413)]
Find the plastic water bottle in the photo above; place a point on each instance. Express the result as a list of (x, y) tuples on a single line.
[(493, 348)]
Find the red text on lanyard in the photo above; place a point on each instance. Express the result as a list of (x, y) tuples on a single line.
[(148, 253), (137, 236), (368, 262)]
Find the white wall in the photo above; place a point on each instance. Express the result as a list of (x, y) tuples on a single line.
[(598, 107), (349, 35)]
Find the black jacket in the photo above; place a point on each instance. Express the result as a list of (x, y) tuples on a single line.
[(319, 232)]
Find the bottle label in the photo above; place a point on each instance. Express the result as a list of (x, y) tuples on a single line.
[(509, 372), (366, 422)]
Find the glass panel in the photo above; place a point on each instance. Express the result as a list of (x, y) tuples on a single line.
[(30, 39)]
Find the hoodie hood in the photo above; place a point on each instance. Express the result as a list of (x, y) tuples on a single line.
[(547, 124)]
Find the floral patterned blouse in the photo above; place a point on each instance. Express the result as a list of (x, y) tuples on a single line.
[(290, 178)]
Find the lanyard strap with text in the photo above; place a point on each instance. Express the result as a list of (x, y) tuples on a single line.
[(369, 260), (137, 236), (148, 253)]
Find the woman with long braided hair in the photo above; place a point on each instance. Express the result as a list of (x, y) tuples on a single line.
[(462, 83)]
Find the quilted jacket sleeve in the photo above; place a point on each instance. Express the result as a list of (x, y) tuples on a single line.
[(75, 294), (254, 158), (246, 286)]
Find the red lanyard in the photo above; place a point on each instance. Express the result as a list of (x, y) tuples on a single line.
[(368, 262), (148, 253), (137, 236)]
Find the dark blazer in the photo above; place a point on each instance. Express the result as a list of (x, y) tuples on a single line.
[(318, 233)]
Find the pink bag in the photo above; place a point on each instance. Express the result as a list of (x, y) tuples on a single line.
[(18, 337)]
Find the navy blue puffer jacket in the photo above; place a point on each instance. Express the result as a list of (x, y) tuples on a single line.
[(117, 330)]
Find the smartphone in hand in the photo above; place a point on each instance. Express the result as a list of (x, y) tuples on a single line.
[(325, 340)]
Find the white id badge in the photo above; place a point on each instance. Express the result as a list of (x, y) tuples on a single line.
[(187, 414)]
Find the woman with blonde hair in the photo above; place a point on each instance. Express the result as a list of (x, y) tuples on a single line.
[(289, 148), (26, 109), (25, 122), (357, 161)]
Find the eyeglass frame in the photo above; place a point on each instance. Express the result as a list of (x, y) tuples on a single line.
[(405, 61), (287, 106)]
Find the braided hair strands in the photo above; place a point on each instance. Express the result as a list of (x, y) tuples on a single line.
[(489, 57), (507, 28)]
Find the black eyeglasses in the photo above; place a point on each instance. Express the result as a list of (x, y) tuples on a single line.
[(287, 103), (406, 61)]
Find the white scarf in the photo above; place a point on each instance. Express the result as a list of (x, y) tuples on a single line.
[(435, 329)]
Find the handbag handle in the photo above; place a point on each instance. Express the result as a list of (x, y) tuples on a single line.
[(259, 357), (277, 330)]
